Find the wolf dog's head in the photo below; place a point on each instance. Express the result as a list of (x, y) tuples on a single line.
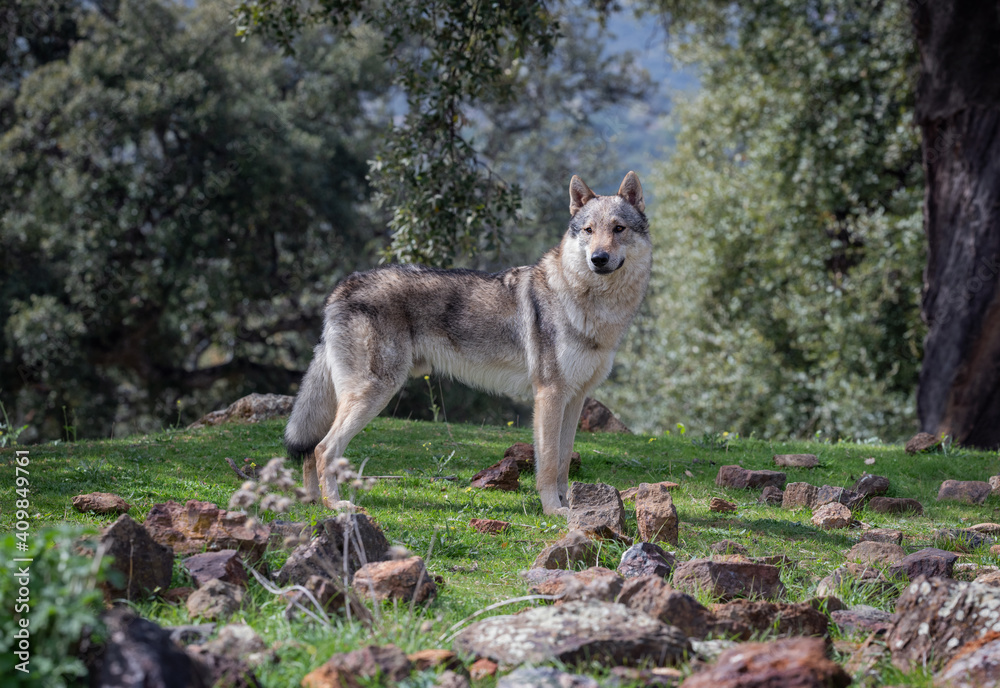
[(609, 230)]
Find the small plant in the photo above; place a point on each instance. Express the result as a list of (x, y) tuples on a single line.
[(435, 409), (69, 428), (8, 434), (716, 441)]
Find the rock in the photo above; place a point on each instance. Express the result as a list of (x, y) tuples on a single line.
[(215, 600), (657, 676), (922, 442), (434, 658), (655, 513), (975, 665), (489, 526), (885, 553), (728, 547), (145, 565), (720, 506), (287, 535), (646, 559), (572, 549), (226, 565), (499, 476), (888, 535), (628, 495), (995, 484), (965, 491), (574, 632), (540, 577), (252, 408), (483, 668), (862, 619), (524, 454), (545, 677), (404, 579), (986, 529), (859, 574), (831, 494), (595, 582), (771, 496), (222, 670), (962, 539), (650, 595), (596, 417), (827, 603), (597, 510), (177, 595), (240, 641), (138, 652), (324, 554), (387, 664), (799, 495), (930, 562), (745, 618), (728, 579), (191, 633), (451, 679), (100, 503), (787, 662), (796, 460), (331, 596), (937, 616), (743, 479), (895, 505), (871, 486), (196, 527), (831, 516)]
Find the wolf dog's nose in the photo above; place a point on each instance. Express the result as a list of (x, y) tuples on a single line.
[(599, 259)]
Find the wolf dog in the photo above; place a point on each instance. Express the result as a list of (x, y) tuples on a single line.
[(547, 331)]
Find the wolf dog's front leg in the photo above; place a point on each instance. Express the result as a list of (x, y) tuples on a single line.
[(549, 408), (571, 418)]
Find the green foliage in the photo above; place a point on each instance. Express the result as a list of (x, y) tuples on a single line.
[(62, 611), (788, 229)]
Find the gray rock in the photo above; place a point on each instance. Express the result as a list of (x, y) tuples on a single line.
[(729, 579), (545, 677), (240, 641), (252, 408), (573, 632), (930, 561), (324, 555), (597, 510), (743, 479), (830, 494), (965, 491), (226, 565), (962, 539), (646, 559), (871, 486), (190, 633), (858, 574), (771, 495), (144, 564), (215, 601), (140, 653), (995, 484)]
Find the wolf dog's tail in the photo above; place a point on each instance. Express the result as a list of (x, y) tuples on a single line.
[(314, 409)]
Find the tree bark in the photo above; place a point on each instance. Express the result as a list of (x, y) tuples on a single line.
[(958, 111)]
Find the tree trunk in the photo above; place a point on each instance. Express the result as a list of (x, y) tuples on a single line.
[(958, 110)]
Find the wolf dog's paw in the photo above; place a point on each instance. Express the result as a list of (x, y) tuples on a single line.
[(558, 511)]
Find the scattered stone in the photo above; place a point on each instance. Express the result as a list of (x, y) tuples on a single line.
[(859, 574), (404, 580), (140, 653), (215, 601), (989, 578), (324, 554), (646, 559), (962, 539), (831, 494), (489, 526), (628, 495), (728, 547), (789, 662), (862, 619), (743, 479), (870, 486), (796, 460), (252, 408), (483, 668), (744, 618), (657, 676), (995, 484), (597, 510), (331, 596), (779, 560), (226, 565), (965, 491), (571, 550), (241, 642), (655, 513), (832, 516), (524, 454), (884, 553), (434, 658), (827, 603), (799, 495), (545, 677), (596, 417), (895, 505), (922, 442), (727, 579), (772, 496), (574, 632), (196, 527), (975, 665), (595, 582), (499, 476), (721, 506), (388, 664), (650, 595), (287, 535), (539, 577), (937, 616), (100, 503), (889, 535), (986, 529), (930, 562), (145, 565)]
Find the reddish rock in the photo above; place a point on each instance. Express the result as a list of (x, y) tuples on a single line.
[(989, 577), (226, 565), (548, 584), (499, 476), (975, 665), (656, 514), (799, 495), (524, 454), (646, 559), (489, 526), (650, 595), (252, 408), (965, 491), (829, 494), (100, 503), (772, 496), (930, 561), (796, 460), (596, 583), (832, 516), (573, 549), (388, 665), (433, 658), (743, 479), (483, 668), (895, 505), (727, 579), (597, 510), (728, 547), (596, 417), (885, 553), (788, 662), (889, 535), (922, 442), (628, 495), (144, 564), (744, 618), (871, 486), (403, 580), (196, 527), (720, 506)]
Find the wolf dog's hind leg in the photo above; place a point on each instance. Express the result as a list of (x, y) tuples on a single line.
[(571, 419), (310, 478)]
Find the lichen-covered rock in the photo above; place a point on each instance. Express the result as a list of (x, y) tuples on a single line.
[(787, 662), (140, 653), (975, 665), (862, 619), (994, 482), (573, 632), (656, 514), (743, 479), (729, 578), (965, 491), (650, 595), (545, 677), (571, 550), (215, 600), (323, 555), (852, 573), (597, 510)]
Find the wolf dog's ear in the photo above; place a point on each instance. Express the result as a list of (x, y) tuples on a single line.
[(579, 194), (631, 191)]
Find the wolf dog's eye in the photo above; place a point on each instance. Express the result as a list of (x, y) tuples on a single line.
[(619, 229), (588, 230)]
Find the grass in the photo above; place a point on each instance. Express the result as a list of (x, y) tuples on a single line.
[(431, 517)]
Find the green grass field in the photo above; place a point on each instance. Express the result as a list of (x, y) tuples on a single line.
[(431, 517)]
